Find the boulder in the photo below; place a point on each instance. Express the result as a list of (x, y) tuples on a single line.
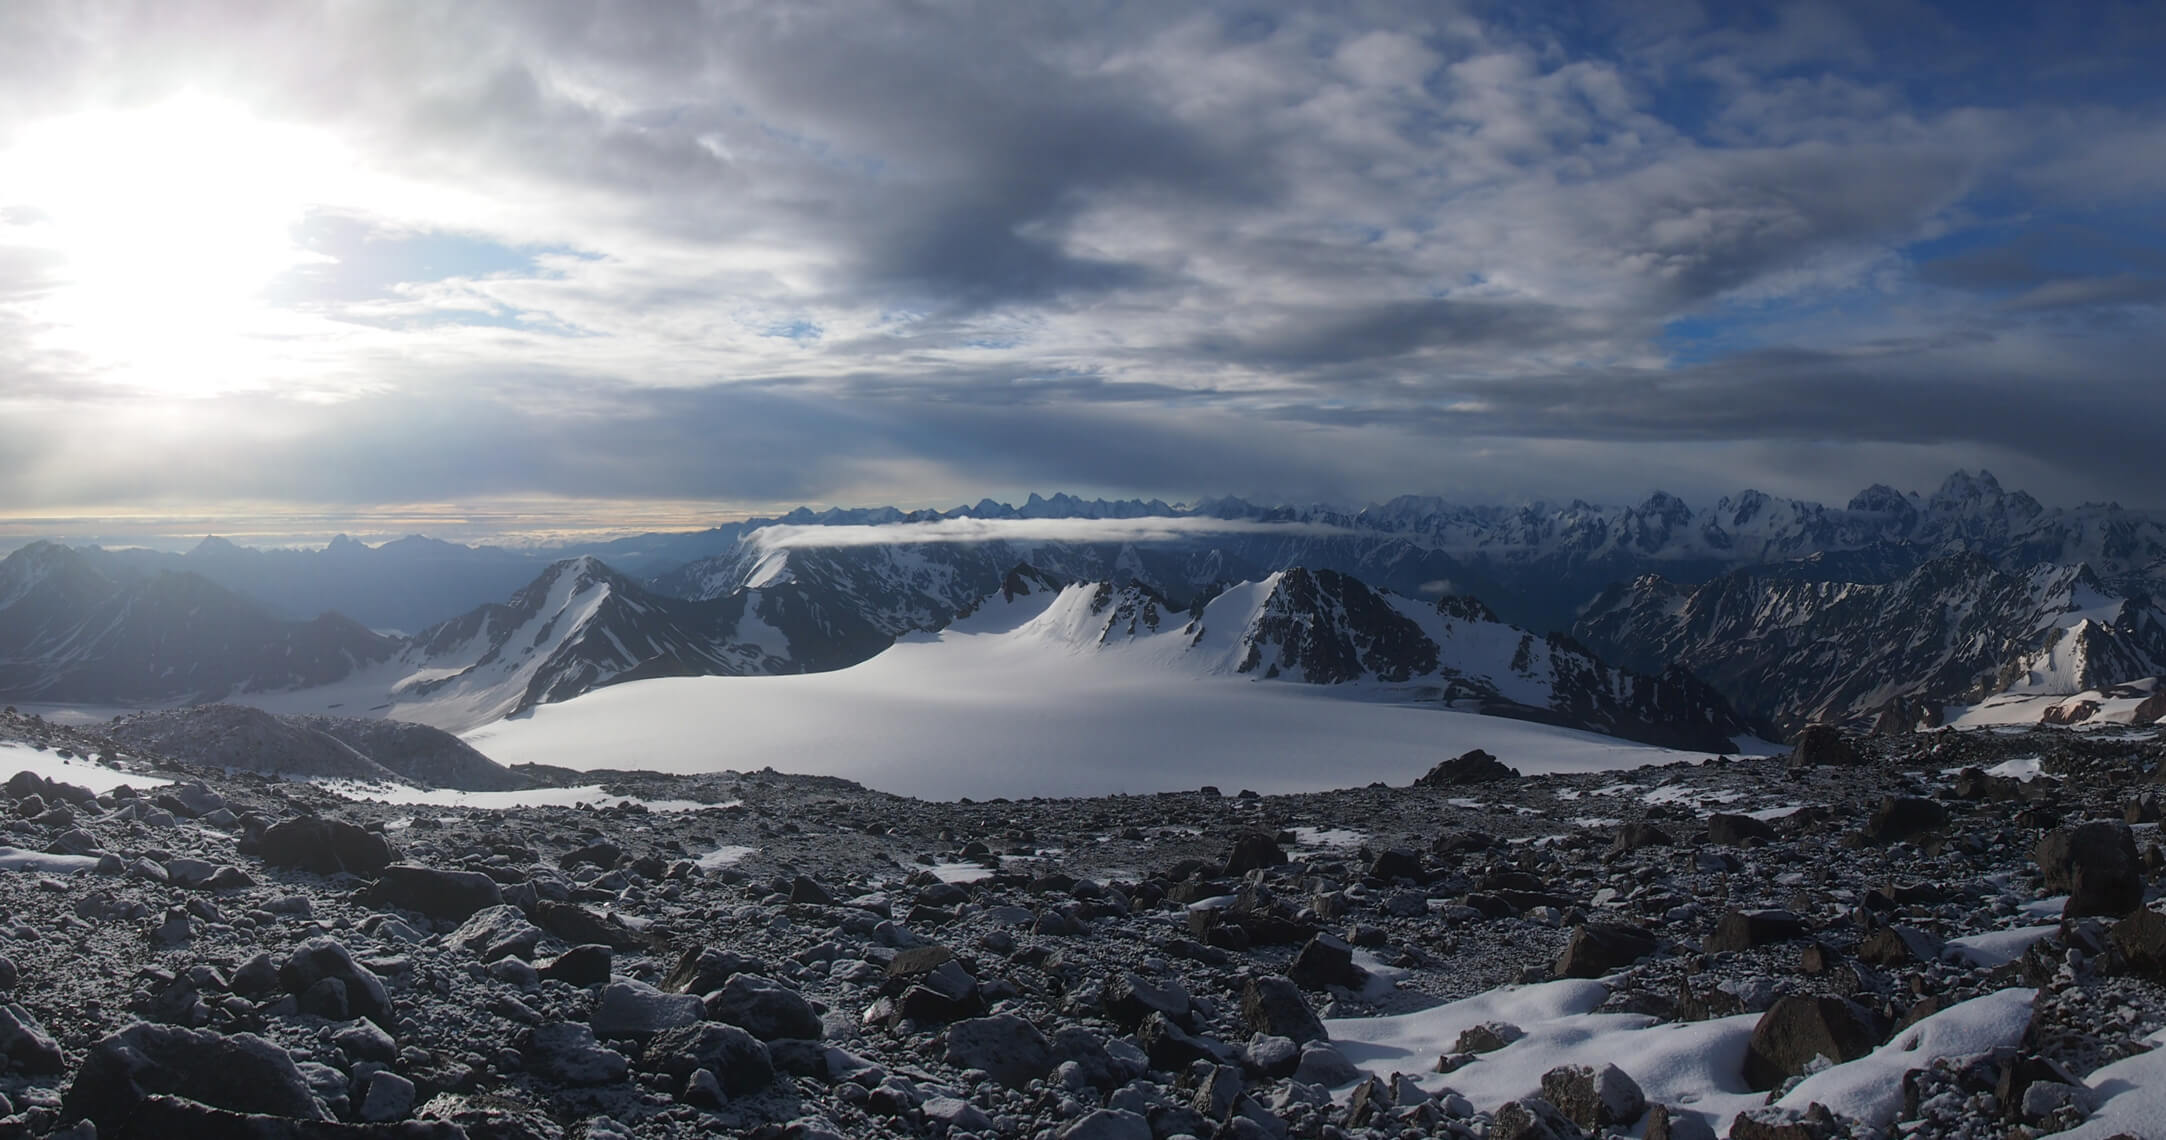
[(434, 892), (1593, 1097), (1798, 1028), (638, 1011), (1005, 1046), (325, 846), (241, 1073), (497, 932), (324, 960), (587, 965), (1253, 851), (739, 1061), (1326, 961), (1474, 767), (1822, 745), (1599, 948), (1274, 1006), (767, 1010), (1730, 830), (1130, 998), (2096, 863), (568, 1051), (1746, 929), (25, 1045), (1900, 818)]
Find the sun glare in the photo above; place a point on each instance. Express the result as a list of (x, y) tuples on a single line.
[(167, 222)]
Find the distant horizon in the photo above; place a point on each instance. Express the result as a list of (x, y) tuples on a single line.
[(526, 525)]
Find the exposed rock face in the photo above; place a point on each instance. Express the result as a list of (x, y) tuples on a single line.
[(435, 892), (241, 1073), (1471, 767), (1796, 1029), (2096, 863), (326, 847)]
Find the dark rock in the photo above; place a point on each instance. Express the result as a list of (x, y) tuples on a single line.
[(1488, 1037), (242, 1073), (1531, 1118), (576, 924), (321, 960), (1396, 863), (765, 1009), (2140, 937), (497, 932), (638, 1011), (1822, 745), (1274, 1006), (736, 1058), (1599, 948), (1796, 1029), (704, 969), (587, 965), (1731, 830), (1475, 767), (1900, 818), (1326, 961), (325, 846), (2096, 863), (1171, 1048), (26, 1046), (1005, 1046), (435, 893), (804, 891), (600, 853), (1594, 1097), (1634, 836), (1254, 851), (1746, 929), (568, 1051), (1130, 998)]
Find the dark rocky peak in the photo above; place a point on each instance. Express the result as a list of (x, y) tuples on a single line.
[(1881, 499), (348, 545), (1667, 507), (1024, 580), (213, 546), (40, 562), (1466, 607), (1748, 506), (1964, 491)]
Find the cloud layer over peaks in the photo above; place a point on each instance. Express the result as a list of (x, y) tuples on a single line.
[(760, 253)]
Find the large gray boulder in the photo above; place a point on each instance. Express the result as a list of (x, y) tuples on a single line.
[(240, 1073)]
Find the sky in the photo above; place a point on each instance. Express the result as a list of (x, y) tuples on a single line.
[(576, 264)]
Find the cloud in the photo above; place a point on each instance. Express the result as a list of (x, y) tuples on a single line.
[(968, 530), (764, 253)]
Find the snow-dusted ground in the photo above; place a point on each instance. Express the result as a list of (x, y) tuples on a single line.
[(81, 772), (1696, 1066), (591, 795)]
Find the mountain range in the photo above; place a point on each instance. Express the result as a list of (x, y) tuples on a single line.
[(1759, 614)]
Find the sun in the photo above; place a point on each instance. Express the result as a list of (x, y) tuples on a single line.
[(164, 224)]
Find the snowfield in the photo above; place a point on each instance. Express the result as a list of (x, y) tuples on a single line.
[(1006, 703)]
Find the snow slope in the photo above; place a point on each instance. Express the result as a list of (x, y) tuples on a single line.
[(1018, 699)]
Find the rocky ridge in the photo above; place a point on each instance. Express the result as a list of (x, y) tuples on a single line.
[(246, 955)]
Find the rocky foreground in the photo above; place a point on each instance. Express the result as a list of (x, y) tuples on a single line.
[(239, 955)]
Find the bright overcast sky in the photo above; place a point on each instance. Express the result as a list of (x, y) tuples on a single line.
[(328, 257)]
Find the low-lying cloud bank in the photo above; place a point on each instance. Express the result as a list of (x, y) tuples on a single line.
[(1028, 530)]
